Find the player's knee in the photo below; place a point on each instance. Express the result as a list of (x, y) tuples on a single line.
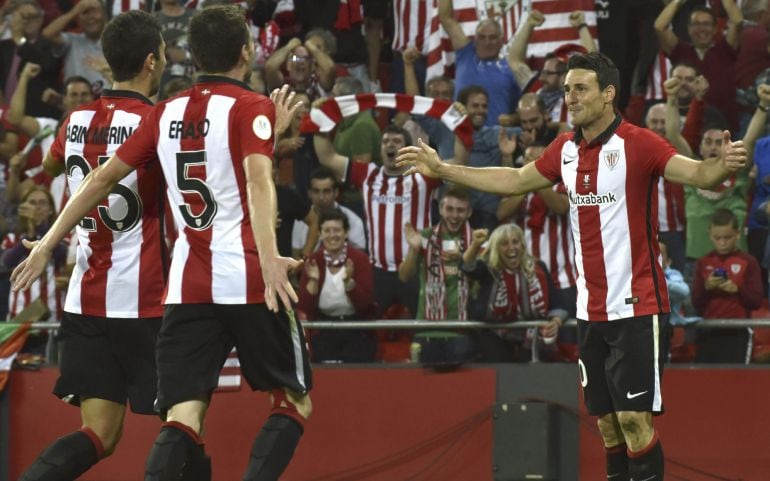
[(633, 422), (109, 434), (291, 404), (609, 430)]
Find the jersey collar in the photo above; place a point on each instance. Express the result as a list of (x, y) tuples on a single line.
[(126, 94), (601, 138), (202, 79)]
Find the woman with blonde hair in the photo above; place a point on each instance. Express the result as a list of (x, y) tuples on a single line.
[(511, 286)]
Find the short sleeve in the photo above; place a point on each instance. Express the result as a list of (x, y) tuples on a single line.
[(255, 121), (140, 148), (549, 164), (654, 150)]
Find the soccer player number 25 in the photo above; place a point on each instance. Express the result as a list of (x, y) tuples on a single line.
[(131, 199)]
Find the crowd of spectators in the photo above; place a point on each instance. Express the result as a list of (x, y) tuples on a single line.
[(379, 241)]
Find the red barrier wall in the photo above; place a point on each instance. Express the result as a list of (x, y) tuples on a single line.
[(407, 423)]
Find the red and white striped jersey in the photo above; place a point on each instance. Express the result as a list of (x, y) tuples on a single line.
[(671, 217), (549, 239), (659, 73), (612, 184), (119, 269), (200, 138), (390, 201), (43, 288), (417, 25), (119, 6)]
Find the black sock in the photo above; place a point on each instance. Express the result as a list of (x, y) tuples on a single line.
[(175, 454), (273, 448), (65, 459), (617, 463), (647, 464)]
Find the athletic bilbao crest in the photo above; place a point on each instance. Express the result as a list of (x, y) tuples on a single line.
[(736, 268), (611, 158)]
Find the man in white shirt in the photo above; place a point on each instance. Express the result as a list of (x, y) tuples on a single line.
[(323, 193)]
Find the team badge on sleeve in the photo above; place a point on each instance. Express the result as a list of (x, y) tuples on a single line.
[(261, 127)]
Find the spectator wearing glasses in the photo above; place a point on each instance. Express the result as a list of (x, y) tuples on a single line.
[(713, 55), (307, 68)]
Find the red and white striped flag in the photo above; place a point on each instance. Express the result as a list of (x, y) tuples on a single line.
[(417, 25), (333, 110)]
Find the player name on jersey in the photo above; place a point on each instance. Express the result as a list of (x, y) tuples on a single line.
[(99, 135), (178, 129)]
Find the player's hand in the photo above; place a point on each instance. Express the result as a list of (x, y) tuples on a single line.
[(284, 110), (275, 271), (734, 154), (479, 236), (420, 158), (536, 18), (30, 268), (413, 236), (577, 18), (30, 70), (410, 56), (506, 143), (763, 92)]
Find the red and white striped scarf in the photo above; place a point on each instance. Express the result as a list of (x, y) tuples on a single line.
[(335, 109), (435, 280)]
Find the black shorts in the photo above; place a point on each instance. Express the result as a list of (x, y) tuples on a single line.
[(108, 358), (621, 364), (196, 338)]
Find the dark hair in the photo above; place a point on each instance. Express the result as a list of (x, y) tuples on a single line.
[(686, 65), (465, 93), (323, 173), (722, 217), (216, 36), (395, 129), (561, 66), (456, 192), (703, 9), (74, 79), (712, 126), (127, 40), (334, 213), (606, 72)]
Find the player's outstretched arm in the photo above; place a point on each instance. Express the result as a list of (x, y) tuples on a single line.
[(708, 173), (263, 207), (495, 180), (95, 187)]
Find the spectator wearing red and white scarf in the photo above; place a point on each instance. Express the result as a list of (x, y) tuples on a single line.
[(514, 286)]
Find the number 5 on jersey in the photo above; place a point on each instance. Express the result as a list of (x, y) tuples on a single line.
[(188, 184)]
